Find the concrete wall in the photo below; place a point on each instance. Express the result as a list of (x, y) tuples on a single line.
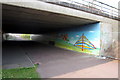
[(109, 39), (68, 38), (42, 38), (39, 5), (85, 38)]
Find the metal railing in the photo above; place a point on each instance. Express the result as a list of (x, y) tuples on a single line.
[(91, 6)]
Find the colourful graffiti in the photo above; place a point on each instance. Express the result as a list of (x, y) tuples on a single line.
[(84, 43), (74, 39), (65, 37)]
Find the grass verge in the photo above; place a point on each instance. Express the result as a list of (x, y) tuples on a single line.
[(20, 73)]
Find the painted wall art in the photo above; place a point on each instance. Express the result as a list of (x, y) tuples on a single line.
[(85, 39)]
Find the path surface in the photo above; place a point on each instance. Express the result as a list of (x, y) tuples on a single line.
[(56, 61), (106, 70), (13, 56)]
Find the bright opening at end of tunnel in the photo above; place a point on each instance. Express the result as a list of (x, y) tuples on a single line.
[(19, 37)]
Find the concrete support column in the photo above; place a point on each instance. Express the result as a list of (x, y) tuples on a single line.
[(109, 40)]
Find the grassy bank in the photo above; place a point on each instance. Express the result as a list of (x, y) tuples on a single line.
[(20, 73)]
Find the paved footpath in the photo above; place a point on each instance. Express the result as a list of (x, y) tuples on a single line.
[(13, 56), (56, 61), (106, 70)]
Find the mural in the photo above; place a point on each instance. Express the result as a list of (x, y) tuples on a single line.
[(84, 43), (84, 39)]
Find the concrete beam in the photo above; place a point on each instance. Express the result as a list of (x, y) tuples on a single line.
[(39, 5)]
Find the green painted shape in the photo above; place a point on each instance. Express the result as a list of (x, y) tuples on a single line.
[(64, 44)]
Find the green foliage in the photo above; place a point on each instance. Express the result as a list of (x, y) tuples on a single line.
[(25, 36), (0, 73), (20, 73)]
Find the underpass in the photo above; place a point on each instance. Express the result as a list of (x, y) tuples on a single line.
[(48, 21)]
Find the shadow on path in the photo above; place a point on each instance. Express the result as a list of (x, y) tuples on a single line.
[(56, 61), (13, 56)]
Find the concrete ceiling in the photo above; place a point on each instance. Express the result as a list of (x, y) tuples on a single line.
[(24, 20)]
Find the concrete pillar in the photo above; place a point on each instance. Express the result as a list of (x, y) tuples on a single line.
[(109, 40)]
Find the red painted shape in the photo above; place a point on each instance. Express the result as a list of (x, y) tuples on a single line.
[(82, 42)]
